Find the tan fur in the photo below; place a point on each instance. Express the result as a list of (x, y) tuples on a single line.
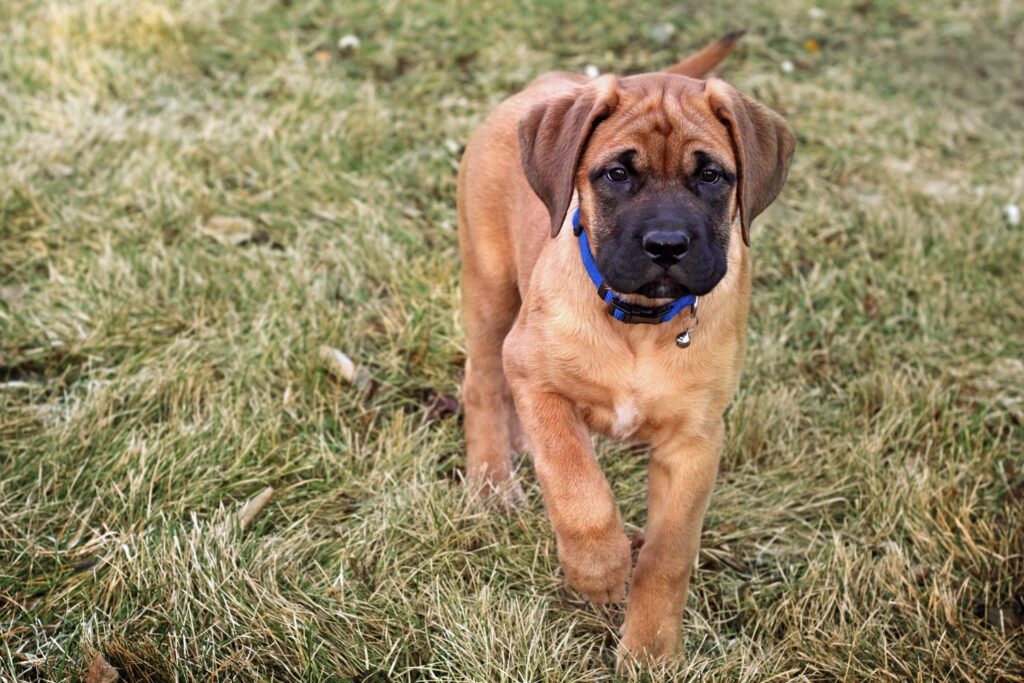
[(546, 359), (702, 62)]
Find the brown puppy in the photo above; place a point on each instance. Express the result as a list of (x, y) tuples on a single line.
[(669, 171)]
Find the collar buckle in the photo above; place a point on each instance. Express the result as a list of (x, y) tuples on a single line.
[(635, 313)]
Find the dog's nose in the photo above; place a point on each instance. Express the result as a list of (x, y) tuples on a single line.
[(666, 247)]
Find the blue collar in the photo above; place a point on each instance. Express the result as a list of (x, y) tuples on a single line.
[(617, 307)]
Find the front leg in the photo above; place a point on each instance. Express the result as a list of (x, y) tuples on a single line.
[(592, 548), (681, 473)]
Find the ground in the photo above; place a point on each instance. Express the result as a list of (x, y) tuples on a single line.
[(195, 195)]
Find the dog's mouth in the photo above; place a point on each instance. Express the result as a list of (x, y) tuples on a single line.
[(628, 272), (664, 288), (669, 283)]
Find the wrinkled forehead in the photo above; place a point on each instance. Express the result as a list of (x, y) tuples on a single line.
[(664, 120)]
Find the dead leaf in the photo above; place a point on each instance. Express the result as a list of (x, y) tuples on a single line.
[(59, 170), (870, 307), (229, 230), (85, 565), (1001, 617), (920, 573), (100, 670), (13, 294), (442, 406)]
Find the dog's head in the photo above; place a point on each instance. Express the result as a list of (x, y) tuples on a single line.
[(664, 165)]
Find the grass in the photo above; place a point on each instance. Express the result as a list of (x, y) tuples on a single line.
[(197, 194)]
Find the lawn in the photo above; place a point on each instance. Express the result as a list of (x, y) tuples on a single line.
[(196, 195)]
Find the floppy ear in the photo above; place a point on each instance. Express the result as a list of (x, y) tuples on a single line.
[(762, 143), (552, 137)]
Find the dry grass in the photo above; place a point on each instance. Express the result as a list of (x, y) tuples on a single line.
[(196, 195)]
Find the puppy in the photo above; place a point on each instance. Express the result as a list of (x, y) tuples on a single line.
[(604, 230)]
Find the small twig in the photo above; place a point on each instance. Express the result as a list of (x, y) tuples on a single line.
[(342, 367), (249, 513)]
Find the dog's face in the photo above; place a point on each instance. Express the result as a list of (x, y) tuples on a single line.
[(656, 183), (663, 164)]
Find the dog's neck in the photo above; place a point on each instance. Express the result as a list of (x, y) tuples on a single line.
[(628, 311), (716, 304)]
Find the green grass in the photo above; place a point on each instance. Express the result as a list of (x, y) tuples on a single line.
[(156, 374)]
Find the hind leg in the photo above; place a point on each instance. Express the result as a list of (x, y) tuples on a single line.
[(516, 435), (490, 302)]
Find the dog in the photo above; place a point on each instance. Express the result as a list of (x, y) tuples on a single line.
[(604, 224)]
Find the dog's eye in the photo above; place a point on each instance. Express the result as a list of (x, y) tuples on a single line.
[(617, 174), (710, 176)]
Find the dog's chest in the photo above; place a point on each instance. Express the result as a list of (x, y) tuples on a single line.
[(625, 404), (622, 414), (626, 417), (626, 382)]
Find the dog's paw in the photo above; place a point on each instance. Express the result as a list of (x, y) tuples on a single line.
[(509, 494), (646, 646), (516, 435), (597, 565)]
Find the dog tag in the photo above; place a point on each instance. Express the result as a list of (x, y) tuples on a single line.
[(683, 340)]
